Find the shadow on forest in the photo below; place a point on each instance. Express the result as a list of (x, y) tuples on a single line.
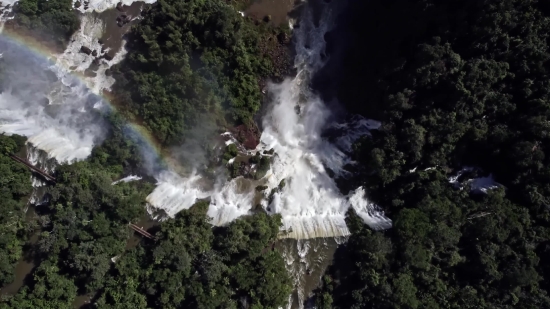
[(369, 36)]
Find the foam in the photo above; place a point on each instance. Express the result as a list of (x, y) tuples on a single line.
[(48, 103), (310, 203), (127, 179), (103, 5)]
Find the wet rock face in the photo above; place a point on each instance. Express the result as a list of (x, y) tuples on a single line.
[(120, 7), (283, 38), (85, 50), (44, 102), (123, 20), (249, 136)]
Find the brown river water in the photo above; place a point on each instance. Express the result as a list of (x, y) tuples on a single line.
[(278, 10)]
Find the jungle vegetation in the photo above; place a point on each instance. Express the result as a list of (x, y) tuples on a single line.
[(52, 21), (455, 83), (192, 58), (205, 60), (15, 188), (85, 247)]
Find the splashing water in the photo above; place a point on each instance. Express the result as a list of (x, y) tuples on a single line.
[(306, 261), (310, 203), (51, 101), (53, 113), (42, 99), (176, 193)]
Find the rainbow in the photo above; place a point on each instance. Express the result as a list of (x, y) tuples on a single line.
[(135, 131)]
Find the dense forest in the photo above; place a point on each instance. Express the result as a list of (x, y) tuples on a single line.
[(456, 84), (192, 58), (85, 247), (50, 21), (15, 186)]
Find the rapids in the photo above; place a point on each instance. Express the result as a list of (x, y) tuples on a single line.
[(310, 203), (49, 99)]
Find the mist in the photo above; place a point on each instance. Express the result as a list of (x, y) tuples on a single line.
[(306, 161), (199, 144), (56, 112)]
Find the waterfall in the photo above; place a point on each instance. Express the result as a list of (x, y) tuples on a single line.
[(310, 203), (58, 112), (51, 102)]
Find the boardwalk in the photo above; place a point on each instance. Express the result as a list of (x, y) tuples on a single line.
[(141, 231), (34, 169)]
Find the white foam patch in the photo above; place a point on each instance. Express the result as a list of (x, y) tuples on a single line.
[(91, 30), (7, 8), (356, 128), (103, 5), (484, 184), (479, 184), (127, 179), (174, 193), (368, 211), (74, 61), (229, 202)]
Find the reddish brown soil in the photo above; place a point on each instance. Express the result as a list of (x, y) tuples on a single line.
[(247, 135)]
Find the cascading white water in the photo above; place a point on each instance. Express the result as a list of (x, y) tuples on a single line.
[(42, 101), (310, 203), (103, 5), (55, 110), (127, 179), (7, 7), (45, 101), (39, 159), (306, 261), (53, 115)]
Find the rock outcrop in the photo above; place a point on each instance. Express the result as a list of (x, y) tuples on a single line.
[(85, 50)]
